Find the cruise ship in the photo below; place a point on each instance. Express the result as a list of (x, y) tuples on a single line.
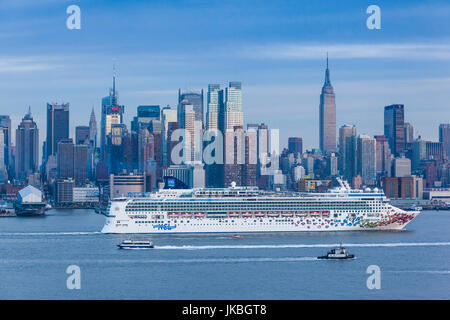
[(248, 209)]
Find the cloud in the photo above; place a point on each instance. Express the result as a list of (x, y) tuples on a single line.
[(297, 51), (23, 65)]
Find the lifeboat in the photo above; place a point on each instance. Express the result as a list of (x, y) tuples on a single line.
[(246, 214), (314, 213), (325, 213), (199, 214), (186, 214), (301, 213), (273, 214), (259, 214), (233, 214), (173, 214)]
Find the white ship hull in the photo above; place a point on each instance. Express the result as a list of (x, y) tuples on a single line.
[(126, 216), (244, 226)]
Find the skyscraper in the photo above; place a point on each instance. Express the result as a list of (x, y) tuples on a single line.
[(112, 113), (145, 116), (351, 157), (295, 145), (383, 156), (92, 145), (146, 148), (82, 135), (57, 126), (168, 115), (3, 172), (65, 158), (215, 110), (234, 116), (366, 159), (115, 148), (327, 116), (444, 137), (93, 129), (190, 98), (409, 133), (5, 126), (80, 164), (344, 132), (394, 128), (240, 155), (27, 147)]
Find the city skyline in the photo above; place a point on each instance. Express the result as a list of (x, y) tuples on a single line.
[(371, 69)]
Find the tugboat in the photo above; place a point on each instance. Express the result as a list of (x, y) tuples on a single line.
[(135, 244), (337, 254)]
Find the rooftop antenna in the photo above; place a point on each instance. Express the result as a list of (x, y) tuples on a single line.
[(114, 77)]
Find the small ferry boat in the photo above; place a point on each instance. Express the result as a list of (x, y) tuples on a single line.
[(337, 254), (237, 236), (135, 244)]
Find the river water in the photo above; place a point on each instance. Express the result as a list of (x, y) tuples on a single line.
[(35, 253)]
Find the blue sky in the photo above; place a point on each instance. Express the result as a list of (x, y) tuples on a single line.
[(276, 48)]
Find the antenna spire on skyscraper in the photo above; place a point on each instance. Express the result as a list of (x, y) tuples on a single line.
[(114, 77), (327, 74)]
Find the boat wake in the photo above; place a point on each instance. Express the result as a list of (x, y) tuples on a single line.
[(326, 245)]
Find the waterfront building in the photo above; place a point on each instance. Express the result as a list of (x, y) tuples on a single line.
[(122, 184), (410, 187), (86, 195), (64, 191)]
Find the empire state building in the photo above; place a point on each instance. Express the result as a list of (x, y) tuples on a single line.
[(327, 121)]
